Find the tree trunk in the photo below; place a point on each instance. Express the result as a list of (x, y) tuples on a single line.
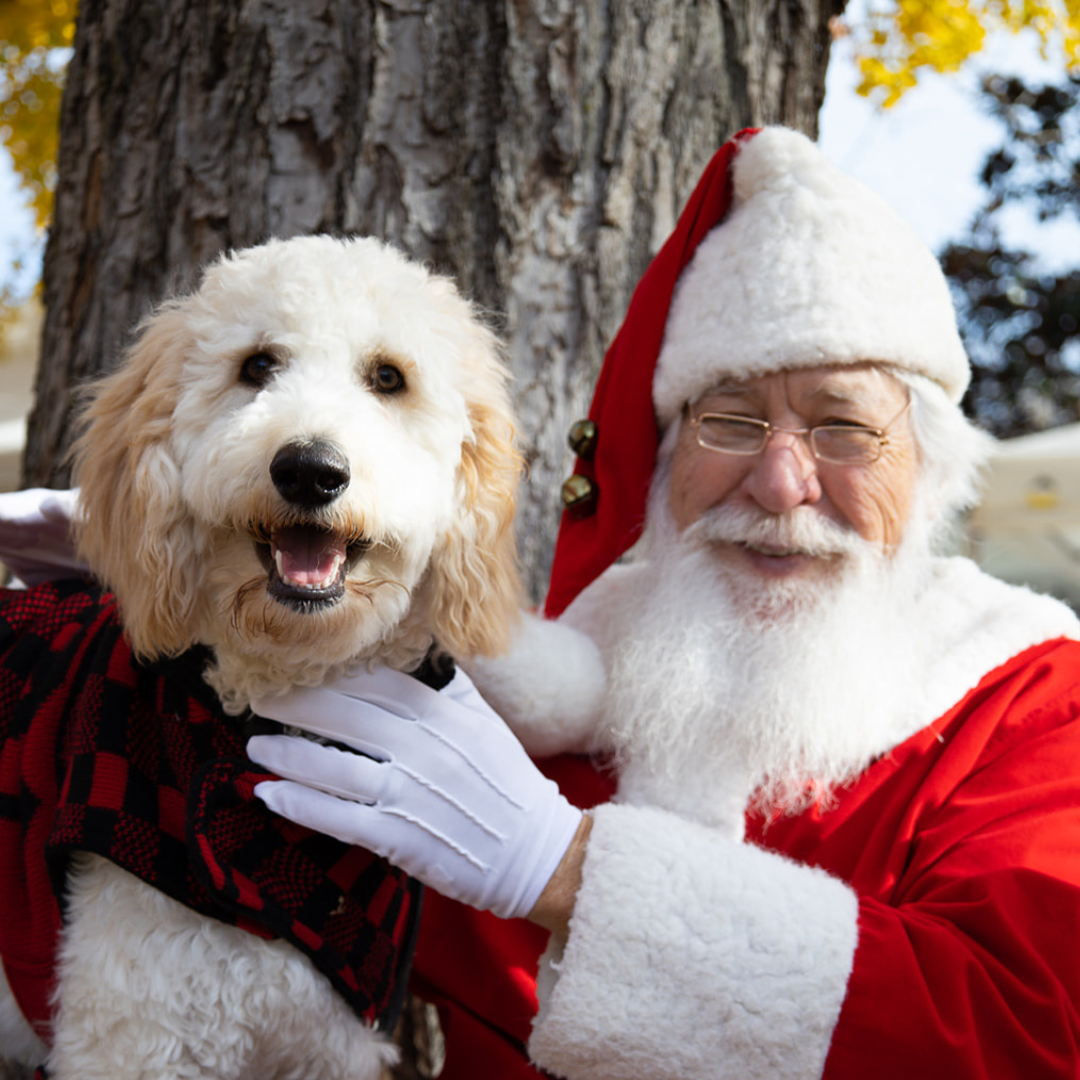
[(537, 152)]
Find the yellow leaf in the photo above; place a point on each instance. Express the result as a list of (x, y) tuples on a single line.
[(898, 44), (31, 82)]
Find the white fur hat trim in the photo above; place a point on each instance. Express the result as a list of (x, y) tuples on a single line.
[(809, 268)]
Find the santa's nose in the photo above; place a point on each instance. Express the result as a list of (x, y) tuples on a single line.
[(784, 475)]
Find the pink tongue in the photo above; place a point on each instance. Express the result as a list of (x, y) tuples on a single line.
[(307, 555)]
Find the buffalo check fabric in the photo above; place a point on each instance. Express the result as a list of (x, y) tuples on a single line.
[(139, 763)]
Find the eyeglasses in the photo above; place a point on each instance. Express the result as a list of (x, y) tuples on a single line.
[(840, 444)]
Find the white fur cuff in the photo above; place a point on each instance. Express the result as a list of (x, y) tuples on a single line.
[(691, 956)]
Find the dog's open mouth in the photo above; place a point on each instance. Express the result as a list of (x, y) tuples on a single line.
[(306, 564)]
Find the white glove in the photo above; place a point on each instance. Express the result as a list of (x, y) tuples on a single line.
[(35, 535), (451, 797)]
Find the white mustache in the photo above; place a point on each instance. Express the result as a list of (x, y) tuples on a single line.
[(802, 530)]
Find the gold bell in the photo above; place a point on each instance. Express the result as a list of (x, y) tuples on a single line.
[(579, 495), (582, 439)]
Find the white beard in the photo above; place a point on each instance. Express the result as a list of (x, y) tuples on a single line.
[(727, 690)]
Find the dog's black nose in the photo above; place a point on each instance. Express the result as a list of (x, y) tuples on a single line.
[(309, 473)]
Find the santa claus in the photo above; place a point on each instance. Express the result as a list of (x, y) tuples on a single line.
[(845, 840)]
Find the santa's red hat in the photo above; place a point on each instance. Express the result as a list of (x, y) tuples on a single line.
[(807, 268)]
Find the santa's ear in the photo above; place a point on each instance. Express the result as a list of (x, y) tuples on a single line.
[(132, 529)]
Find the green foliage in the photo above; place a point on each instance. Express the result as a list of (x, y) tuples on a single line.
[(1020, 322)]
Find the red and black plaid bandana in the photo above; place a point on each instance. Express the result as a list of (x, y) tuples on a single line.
[(138, 763)]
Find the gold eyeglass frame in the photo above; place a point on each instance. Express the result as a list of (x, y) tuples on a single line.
[(881, 434)]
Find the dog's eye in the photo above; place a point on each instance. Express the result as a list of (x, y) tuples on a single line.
[(386, 379), (257, 369)]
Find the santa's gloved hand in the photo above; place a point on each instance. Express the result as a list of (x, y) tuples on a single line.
[(35, 535), (447, 793)]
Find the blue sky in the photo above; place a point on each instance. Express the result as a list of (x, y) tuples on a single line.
[(17, 234), (923, 155)]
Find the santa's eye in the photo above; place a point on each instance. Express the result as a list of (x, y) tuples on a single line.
[(387, 379), (257, 369)]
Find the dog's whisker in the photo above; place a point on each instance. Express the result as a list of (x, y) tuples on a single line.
[(366, 589), (252, 594)]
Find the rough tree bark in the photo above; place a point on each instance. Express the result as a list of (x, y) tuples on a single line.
[(536, 151)]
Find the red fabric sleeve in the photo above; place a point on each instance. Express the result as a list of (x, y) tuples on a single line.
[(480, 971), (967, 965), (963, 845)]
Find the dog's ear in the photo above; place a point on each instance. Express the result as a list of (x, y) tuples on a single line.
[(131, 528), (476, 581)]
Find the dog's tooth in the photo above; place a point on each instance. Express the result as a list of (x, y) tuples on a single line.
[(332, 576), (306, 585)]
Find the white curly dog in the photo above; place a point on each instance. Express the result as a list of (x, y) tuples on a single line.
[(304, 466)]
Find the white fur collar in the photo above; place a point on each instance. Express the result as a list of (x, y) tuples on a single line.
[(974, 623)]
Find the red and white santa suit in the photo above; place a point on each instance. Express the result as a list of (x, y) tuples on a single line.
[(924, 925), (924, 922)]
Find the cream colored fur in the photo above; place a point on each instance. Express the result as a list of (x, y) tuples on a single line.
[(173, 467), (176, 494)]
